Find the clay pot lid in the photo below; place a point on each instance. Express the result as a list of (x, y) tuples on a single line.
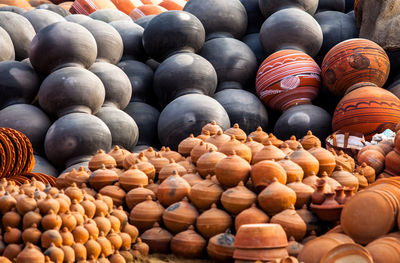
[(258, 135), (237, 132), (310, 141)]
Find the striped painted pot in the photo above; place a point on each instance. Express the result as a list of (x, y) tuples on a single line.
[(367, 109), (288, 78), (353, 61), (145, 10)]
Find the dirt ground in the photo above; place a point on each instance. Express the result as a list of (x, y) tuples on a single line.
[(160, 258)]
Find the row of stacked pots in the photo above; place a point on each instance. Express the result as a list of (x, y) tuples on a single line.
[(223, 180)]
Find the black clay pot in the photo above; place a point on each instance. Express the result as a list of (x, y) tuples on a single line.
[(20, 31), (141, 148), (188, 114), (146, 118), (336, 27), (109, 15), (14, 9), (75, 138), (300, 119), (255, 18), (152, 64), (220, 18), (395, 87), (109, 42), (268, 7), (235, 63), (173, 32), (183, 74), (291, 28), (6, 46), (29, 120), (144, 21), (65, 44), (123, 128), (54, 8), (116, 84), (332, 5), (253, 42), (131, 35), (43, 166), (77, 18), (243, 108), (349, 5), (40, 18), (19, 83), (141, 78), (71, 89)]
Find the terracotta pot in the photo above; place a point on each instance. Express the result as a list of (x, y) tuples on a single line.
[(132, 231), (212, 127), (377, 122), (201, 149), (74, 193), (159, 162), (251, 215), (224, 53), (106, 246), (269, 152), (30, 218), (31, 235), (218, 139), (263, 173), (343, 160), (309, 141), (157, 238), (115, 239), (102, 177), (52, 43), (325, 158), (276, 198), (213, 221), (11, 219), (305, 160), (292, 169), (368, 172), (171, 155), (318, 197), (231, 170), (51, 221), (25, 204), (373, 158), (131, 159), (12, 235), (172, 190), (145, 214), (206, 164), (291, 222), (300, 85), (391, 161), (186, 145), (67, 237), (115, 192), (220, 247), (258, 135), (355, 64), (384, 249), (79, 177), (153, 187), (146, 10), (362, 180), (103, 223), (54, 253), (332, 184), (167, 170), (239, 134), (179, 216), (254, 146), (30, 254), (205, 193), (132, 178), (237, 199), (188, 244), (51, 236), (138, 195), (303, 193), (345, 178), (100, 159)]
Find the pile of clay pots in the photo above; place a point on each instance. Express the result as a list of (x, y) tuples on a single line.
[(193, 200), (45, 224)]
